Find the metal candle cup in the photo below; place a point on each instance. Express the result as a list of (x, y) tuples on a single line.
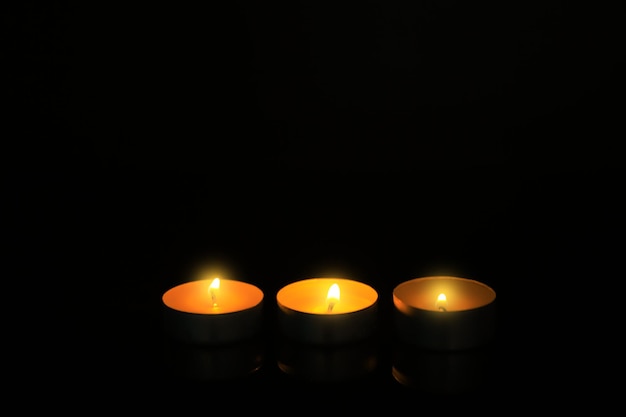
[(201, 312), (444, 313), (327, 310)]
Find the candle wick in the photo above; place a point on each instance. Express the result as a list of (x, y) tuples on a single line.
[(442, 308), (330, 307), (213, 298)]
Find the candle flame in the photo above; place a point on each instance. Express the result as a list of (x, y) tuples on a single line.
[(442, 302), (333, 296), (213, 288)]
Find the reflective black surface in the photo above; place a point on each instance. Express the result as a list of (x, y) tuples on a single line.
[(134, 235), (535, 247)]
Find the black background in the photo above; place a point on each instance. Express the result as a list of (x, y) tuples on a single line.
[(378, 141)]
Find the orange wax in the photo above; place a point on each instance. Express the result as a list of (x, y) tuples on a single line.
[(311, 296), (195, 297), (460, 294)]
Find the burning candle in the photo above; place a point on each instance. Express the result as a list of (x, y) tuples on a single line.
[(327, 310), (443, 312), (213, 311)]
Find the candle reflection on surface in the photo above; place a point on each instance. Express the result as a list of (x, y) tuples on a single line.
[(438, 371), (327, 363), (214, 363)]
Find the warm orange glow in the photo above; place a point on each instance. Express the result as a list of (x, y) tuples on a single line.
[(197, 296), (442, 302), (213, 290), (333, 296), (460, 294), (313, 296)]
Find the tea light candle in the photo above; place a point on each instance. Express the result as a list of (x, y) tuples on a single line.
[(327, 310), (213, 311), (444, 312)]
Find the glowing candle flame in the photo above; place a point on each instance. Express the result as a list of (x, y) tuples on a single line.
[(332, 296), (442, 302), (213, 289)]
